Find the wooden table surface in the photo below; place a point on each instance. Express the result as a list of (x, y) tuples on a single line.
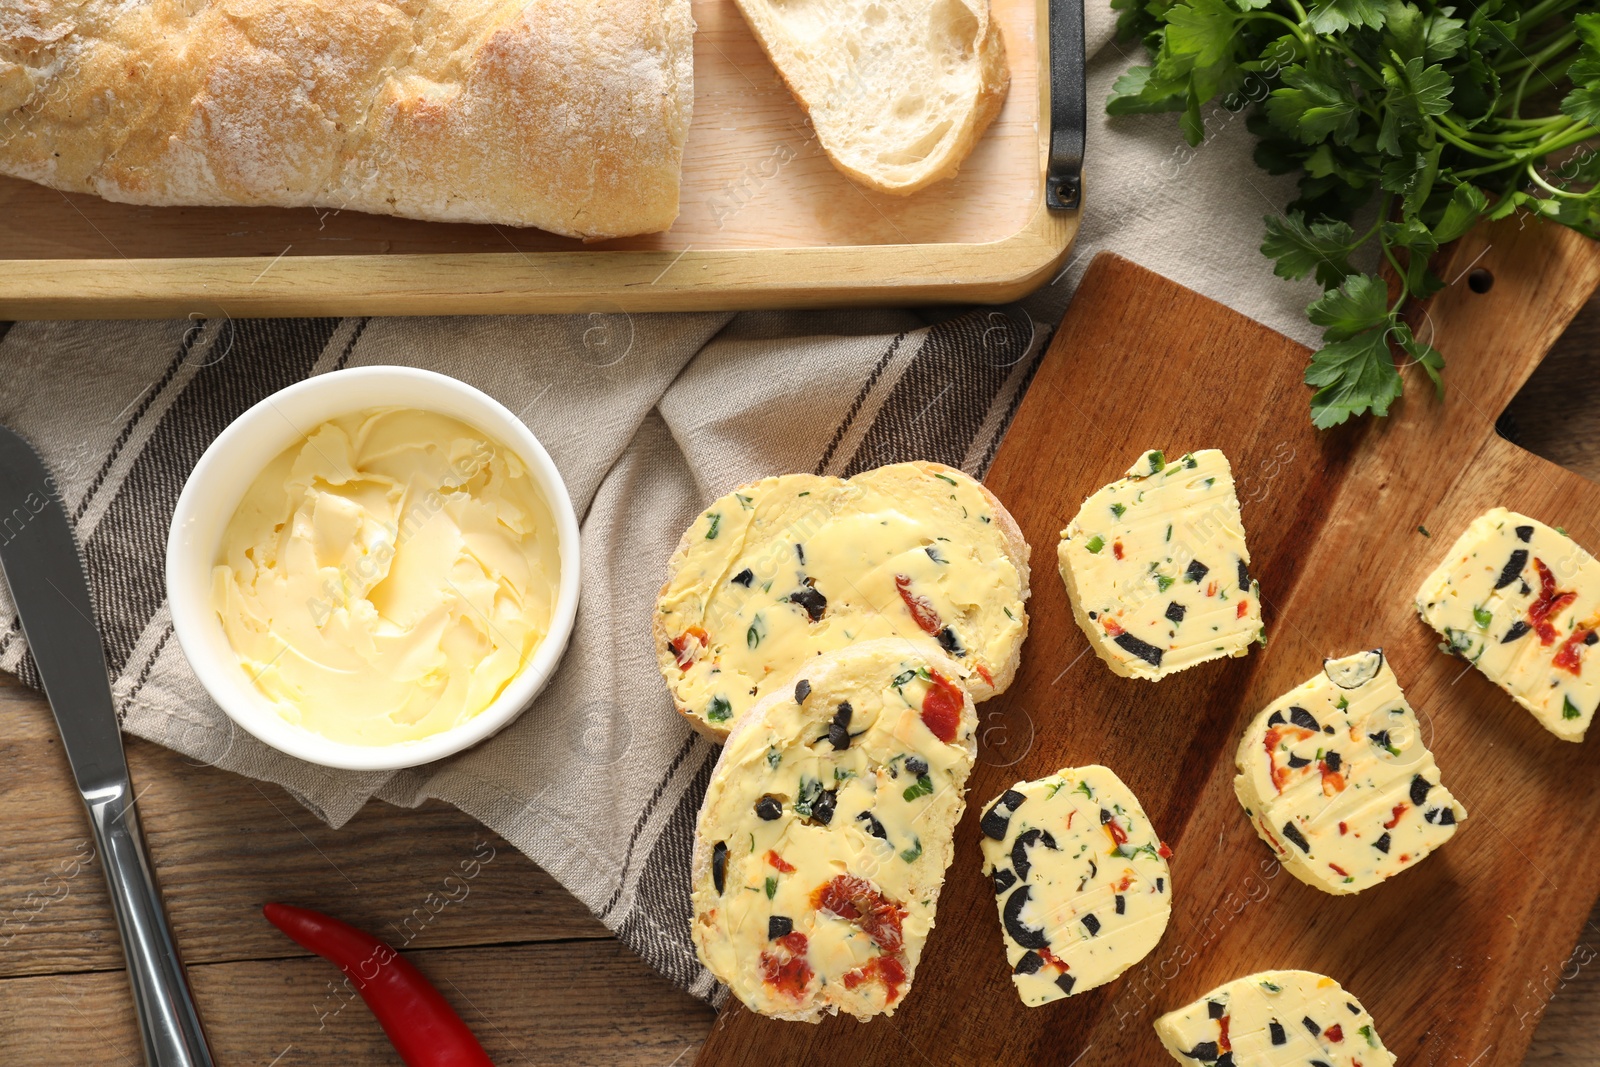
[(539, 979)]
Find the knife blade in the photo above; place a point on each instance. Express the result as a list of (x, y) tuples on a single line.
[(50, 590)]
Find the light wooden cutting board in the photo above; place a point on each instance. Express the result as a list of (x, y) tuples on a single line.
[(1456, 958), (765, 221)]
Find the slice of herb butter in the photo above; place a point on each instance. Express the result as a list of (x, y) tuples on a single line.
[(1157, 569), (1080, 880), (1335, 778), (788, 567), (1521, 602), (826, 830), (1275, 1019)]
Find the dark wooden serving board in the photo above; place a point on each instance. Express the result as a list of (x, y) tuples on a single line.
[(1455, 959)]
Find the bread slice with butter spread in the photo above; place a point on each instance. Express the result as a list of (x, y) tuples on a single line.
[(899, 91), (788, 568), (826, 830)]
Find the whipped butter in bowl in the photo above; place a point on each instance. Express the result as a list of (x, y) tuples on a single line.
[(392, 585)]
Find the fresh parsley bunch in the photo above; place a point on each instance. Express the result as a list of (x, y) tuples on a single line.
[(1444, 115)]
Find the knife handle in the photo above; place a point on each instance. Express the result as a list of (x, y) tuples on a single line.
[(168, 1022)]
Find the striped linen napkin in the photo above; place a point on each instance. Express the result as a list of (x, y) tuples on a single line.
[(648, 417)]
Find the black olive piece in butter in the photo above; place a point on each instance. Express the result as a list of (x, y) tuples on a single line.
[(822, 809), (719, 865), (1023, 934), (811, 600)]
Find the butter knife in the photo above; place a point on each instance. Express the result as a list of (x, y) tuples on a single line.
[(50, 589)]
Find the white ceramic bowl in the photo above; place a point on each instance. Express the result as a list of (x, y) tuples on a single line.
[(226, 471)]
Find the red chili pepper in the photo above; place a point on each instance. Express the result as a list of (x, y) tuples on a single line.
[(420, 1023), (1550, 604), (858, 901), (1566, 656), (787, 971), (885, 969), (1053, 960), (941, 708), (683, 651), (1275, 735), (921, 608)]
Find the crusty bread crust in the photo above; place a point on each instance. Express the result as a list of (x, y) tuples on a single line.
[(818, 670), (994, 80), (562, 114), (1016, 548)]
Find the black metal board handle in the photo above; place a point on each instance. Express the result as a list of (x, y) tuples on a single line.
[(1063, 175)]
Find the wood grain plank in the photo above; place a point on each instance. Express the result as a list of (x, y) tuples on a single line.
[(1334, 526), (577, 1003), (1556, 416), (223, 845)]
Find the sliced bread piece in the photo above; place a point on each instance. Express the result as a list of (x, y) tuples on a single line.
[(782, 570), (826, 830), (898, 91)]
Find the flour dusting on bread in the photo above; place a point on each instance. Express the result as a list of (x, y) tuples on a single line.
[(562, 114)]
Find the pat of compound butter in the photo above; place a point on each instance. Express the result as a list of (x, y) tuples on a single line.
[(1275, 1019), (1335, 778), (1157, 569), (1080, 880), (386, 577), (1521, 602)]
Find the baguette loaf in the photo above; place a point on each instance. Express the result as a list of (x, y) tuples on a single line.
[(899, 91), (567, 115)]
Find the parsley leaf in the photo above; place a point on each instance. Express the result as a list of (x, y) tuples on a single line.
[(1360, 304), (1352, 377), (1334, 16), (1300, 249), (1407, 122)]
